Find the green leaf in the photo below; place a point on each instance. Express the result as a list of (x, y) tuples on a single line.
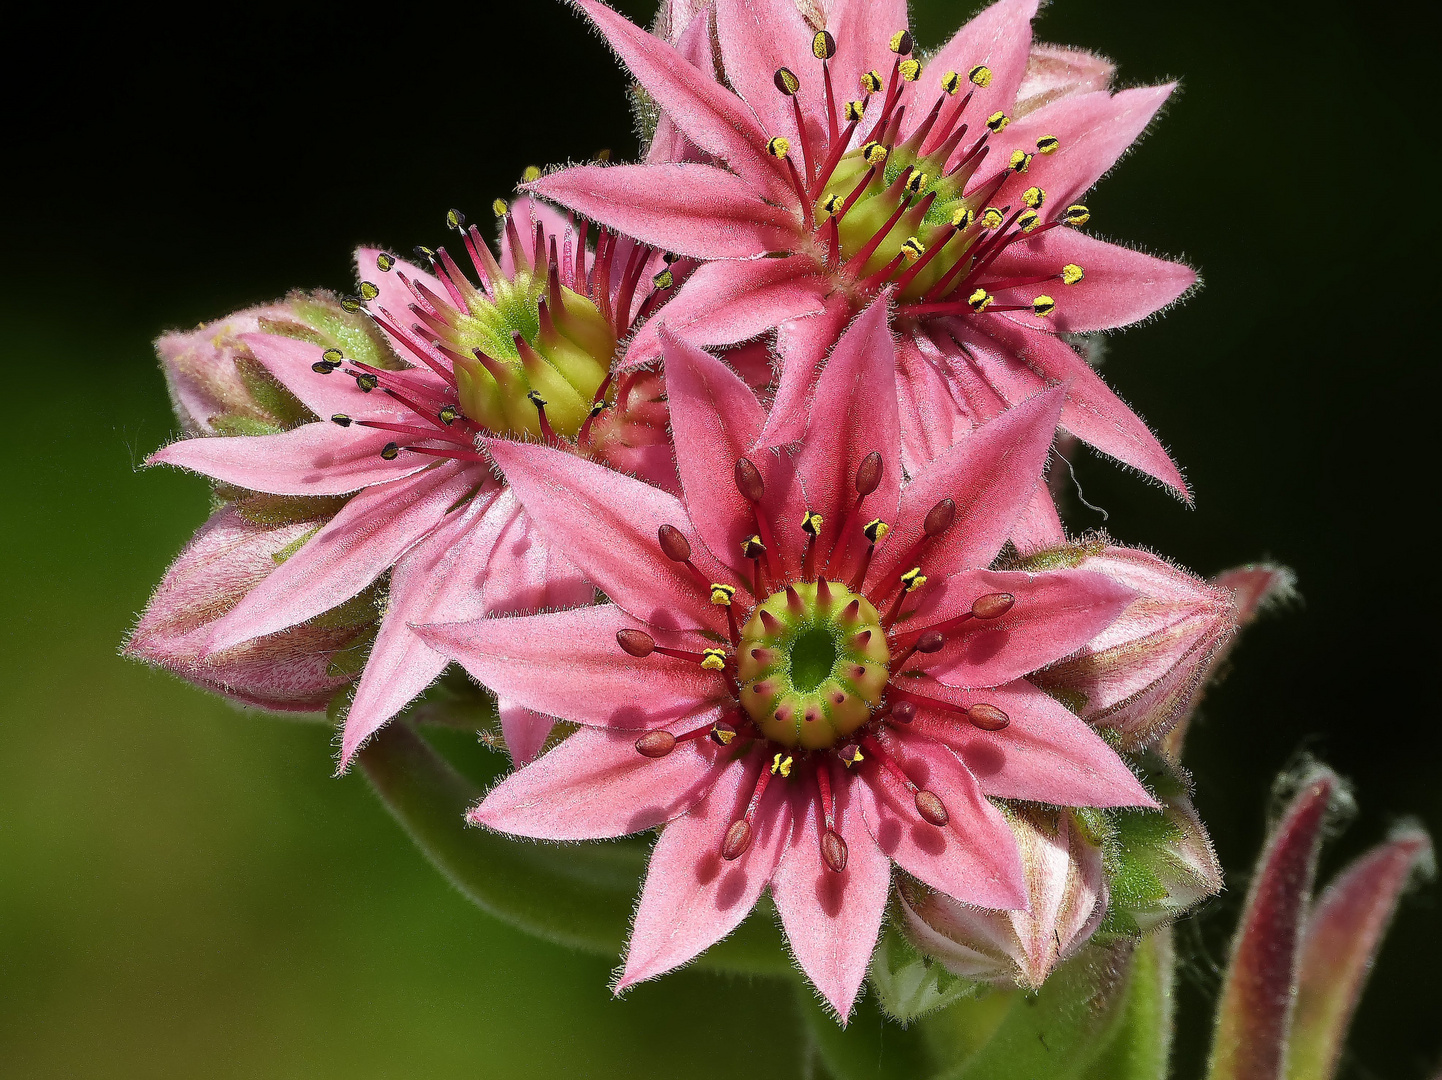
[(1142, 1043), (580, 895), (909, 985), (1055, 1032)]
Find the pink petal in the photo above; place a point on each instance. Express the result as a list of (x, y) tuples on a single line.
[(862, 29), (1058, 71), (1046, 754), (853, 414), (1039, 526), (1093, 413), (832, 920), (973, 857), (695, 210), (715, 420), (727, 302), (290, 362), (801, 347), (708, 114), (594, 785), (610, 523), (527, 572), (990, 475), (568, 664), (1094, 131), (1120, 286), (694, 43), (350, 551), (441, 577), (932, 418), (1000, 38), (757, 37), (1056, 613), (692, 897), (313, 459), (524, 730)]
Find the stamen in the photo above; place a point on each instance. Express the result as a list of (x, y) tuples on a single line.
[(903, 712), (739, 835), (1048, 144), (384, 261), (1071, 273), (1076, 215), (540, 403), (980, 75), (928, 803), (833, 847), (980, 715), (752, 489), (636, 643), (677, 548)]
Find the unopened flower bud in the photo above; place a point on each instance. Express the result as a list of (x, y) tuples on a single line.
[(1064, 882)]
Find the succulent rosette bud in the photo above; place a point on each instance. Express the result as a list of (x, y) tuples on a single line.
[(379, 402), (822, 140), (1146, 671), (1066, 893), (808, 670)]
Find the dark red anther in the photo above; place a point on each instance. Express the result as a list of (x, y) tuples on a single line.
[(722, 733), (939, 518), (636, 643), (748, 481), (903, 712), (992, 605), (674, 544), (930, 642), (987, 717), (931, 808), (655, 744), (833, 850), (738, 839), (868, 474)]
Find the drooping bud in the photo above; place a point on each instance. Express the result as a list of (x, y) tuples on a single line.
[(1064, 883), (1146, 672)]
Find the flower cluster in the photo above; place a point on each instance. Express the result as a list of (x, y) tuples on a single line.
[(784, 395)]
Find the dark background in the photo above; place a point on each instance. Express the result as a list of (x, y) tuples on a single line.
[(185, 890)]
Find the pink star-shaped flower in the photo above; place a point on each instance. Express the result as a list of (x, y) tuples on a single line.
[(833, 163), (806, 672)]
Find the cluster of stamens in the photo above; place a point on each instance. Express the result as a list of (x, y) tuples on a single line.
[(817, 668), (913, 214), (527, 353)]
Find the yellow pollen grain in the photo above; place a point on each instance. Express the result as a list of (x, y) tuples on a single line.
[(664, 280), (823, 45), (1033, 197), (1076, 214), (871, 82), (912, 249), (1071, 273), (830, 205), (951, 82), (913, 579), (499, 208), (916, 181), (996, 121), (1043, 305), (1028, 220), (723, 735), (979, 300), (786, 81), (980, 75), (385, 261), (531, 174), (874, 153), (781, 764), (900, 42), (855, 110), (854, 757), (991, 217), (721, 594), (876, 530), (779, 146), (1019, 161), (368, 290), (714, 660), (1048, 144), (963, 217), (910, 70)]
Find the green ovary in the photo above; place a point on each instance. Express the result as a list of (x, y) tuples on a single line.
[(812, 678), (565, 357), (875, 207)]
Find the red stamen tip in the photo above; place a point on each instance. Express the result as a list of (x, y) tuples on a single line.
[(637, 643), (931, 808), (738, 839), (992, 605), (833, 850), (655, 744)]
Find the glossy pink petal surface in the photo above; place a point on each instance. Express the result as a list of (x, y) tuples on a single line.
[(567, 664), (694, 210), (1045, 754), (611, 523), (990, 475), (594, 785), (715, 421), (347, 554), (313, 459), (757, 37), (999, 37), (973, 857), (832, 920), (693, 897)]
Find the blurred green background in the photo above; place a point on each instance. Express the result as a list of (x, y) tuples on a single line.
[(184, 888)]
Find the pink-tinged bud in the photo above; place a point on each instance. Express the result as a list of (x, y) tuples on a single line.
[(1145, 673), (1064, 882), (219, 388), (296, 670)]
